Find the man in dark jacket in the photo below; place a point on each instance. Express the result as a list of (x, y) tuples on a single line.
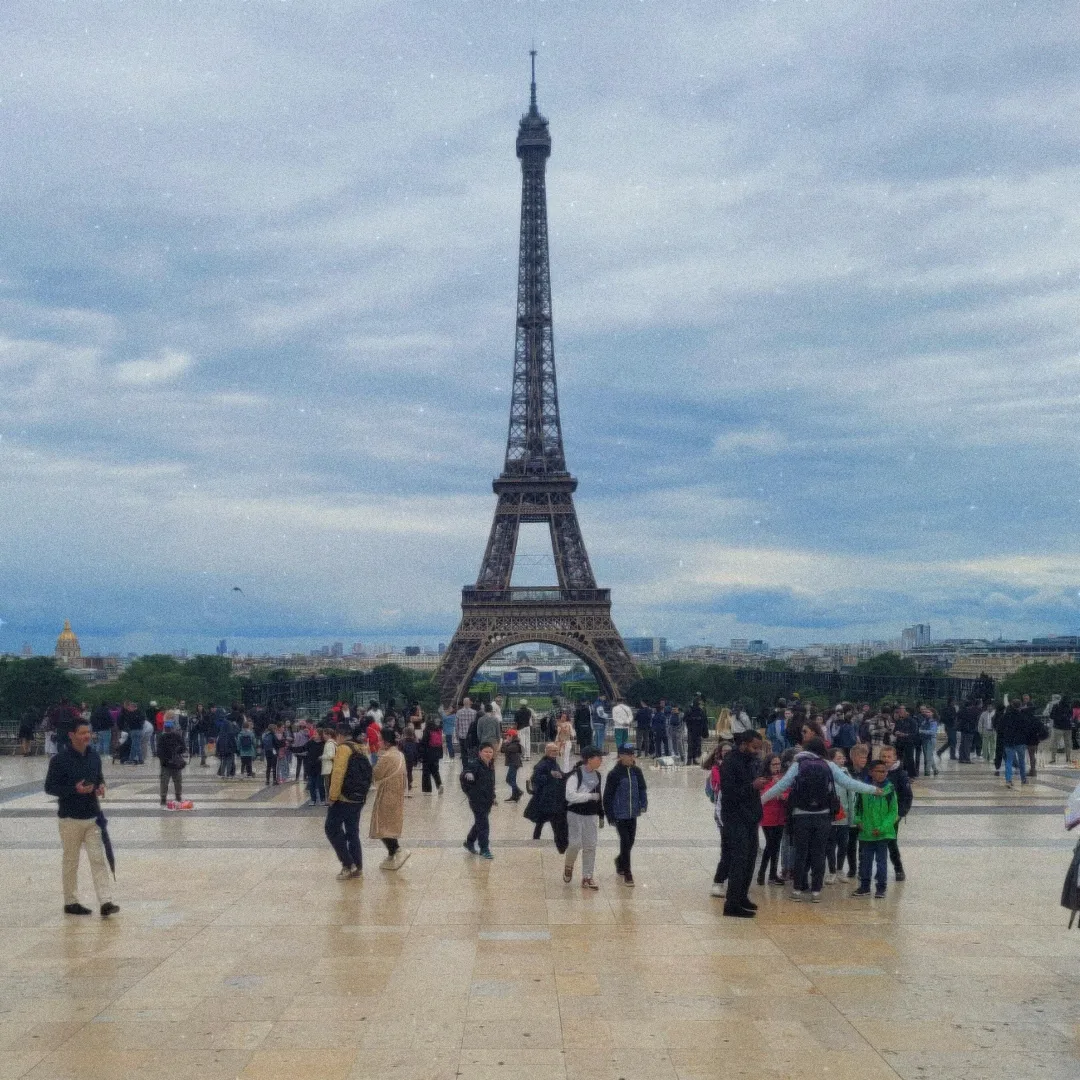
[(906, 737), (75, 778), (583, 724), (697, 727), (740, 811), (548, 802), (948, 722), (478, 782), (625, 797), (1061, 719), (967, 727), (170, 752), (643, 723)]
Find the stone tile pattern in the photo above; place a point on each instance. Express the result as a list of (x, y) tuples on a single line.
[(238, 954)]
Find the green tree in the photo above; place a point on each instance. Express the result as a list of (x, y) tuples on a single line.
[(1043, 680), (35, 684), (202, 680)]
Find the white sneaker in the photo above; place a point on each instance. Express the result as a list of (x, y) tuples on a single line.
[(815, 898), (830, 879), (718, 890), (399, 860), (387, 863)]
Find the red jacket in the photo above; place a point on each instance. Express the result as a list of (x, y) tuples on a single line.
[(774, 812)]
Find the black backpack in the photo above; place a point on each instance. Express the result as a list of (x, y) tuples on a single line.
[(813, 790), (356, 783)]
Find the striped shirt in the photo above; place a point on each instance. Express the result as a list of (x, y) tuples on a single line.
[(465, 717)]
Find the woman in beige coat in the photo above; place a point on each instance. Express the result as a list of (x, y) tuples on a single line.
[(388, 809)]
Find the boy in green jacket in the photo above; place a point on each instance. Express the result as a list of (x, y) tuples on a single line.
[(876, 817)]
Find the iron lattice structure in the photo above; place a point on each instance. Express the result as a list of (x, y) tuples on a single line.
[(535, 485)]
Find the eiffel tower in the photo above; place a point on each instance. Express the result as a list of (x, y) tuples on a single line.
[(534, 485)]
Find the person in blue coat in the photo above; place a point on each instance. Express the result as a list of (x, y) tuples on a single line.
[(625, 798)]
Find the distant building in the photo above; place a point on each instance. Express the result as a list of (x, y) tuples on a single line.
[(222, 648), (412, 650), (27, 649), (67, 649), (357, 649), (654, 647), (914, 637), (337, 649)]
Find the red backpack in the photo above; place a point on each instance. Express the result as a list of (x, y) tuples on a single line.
[(435, 738)]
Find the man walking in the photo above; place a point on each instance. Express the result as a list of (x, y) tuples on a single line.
[(170, 752), (740, 811), (350, 781), (625, 798), (75, 778), (463, 720), (478, 782), (697, 727)]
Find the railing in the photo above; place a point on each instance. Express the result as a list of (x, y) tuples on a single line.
[(861, 687), (535, 595)]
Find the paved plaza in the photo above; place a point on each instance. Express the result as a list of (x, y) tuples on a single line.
[(237, 954)]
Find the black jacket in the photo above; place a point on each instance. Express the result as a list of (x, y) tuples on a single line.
[(697, 721), (967, 719), (66, 769), (170, 747), (901, 783), (906, 730), (549, 794), (740, 801), (1012, 728), (480, 790)]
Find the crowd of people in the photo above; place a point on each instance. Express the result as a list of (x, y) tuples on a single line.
[(825, 789)]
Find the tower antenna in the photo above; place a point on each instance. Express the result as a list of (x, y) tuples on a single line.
[(532, 85)]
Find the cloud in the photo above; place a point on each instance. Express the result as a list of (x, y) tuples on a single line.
[(814, 300), (166, 366)]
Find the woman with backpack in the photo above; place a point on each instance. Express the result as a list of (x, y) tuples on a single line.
[(813, 781), (246, 745), (431, 752)]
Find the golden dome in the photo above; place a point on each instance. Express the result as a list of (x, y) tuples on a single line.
[(67, 644)]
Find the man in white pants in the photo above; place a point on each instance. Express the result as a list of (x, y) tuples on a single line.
[(75, 778)]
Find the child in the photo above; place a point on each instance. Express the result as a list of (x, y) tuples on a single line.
[(859, 757), (625, 797), (512, 754), (901, 783), (246, 747), (719, 885), (583, 816), (837, 845), (410, 749), (270, 754), (787, 848), (773, 820), (877, 817)]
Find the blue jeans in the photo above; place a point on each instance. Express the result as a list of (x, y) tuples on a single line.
[(102, 741), (448, 737), (599, 731), (678, 743), (1019, 754), (873, 855), (929, 761), (660, 746), (316, 788), (511, 779)]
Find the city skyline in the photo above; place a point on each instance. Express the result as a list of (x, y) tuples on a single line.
[(813, 285)]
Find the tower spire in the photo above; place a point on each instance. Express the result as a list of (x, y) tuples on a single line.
[(532, 84)]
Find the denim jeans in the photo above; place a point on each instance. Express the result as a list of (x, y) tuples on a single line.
[(678, 742), (316, 789), (1016, 754), (873, 855), (448, 738), (342, 829), (929, 760), (102, 741), (966, 738), (660, 746), (599, 731), (511, 779)]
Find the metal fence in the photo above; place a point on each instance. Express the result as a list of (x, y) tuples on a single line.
[(862, 687)]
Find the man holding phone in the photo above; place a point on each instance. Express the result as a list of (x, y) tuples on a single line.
[(75, 778)]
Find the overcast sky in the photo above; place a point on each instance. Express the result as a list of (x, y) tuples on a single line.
[(816, 280)]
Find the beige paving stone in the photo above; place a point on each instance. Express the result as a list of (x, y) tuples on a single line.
[(254, 961)]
